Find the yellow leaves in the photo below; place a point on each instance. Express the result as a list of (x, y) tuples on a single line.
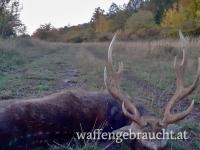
[(102, 24), (186, 12), (173, 18), (198, 13)]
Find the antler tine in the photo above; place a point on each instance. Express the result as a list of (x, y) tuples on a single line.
[(181, 91), (110, 61), (126, 112), (179, 116), (112, 85), (180, 68), (184, 41), (116, 75)]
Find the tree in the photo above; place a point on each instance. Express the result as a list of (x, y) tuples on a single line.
[(143, 19), (10, 24), (192, 9), (174, 18), (113, 10), (133, 5), (117, 17), (159, 7), (185, 14), (118, 21), (47, 32), (99, 20), (43, 31)]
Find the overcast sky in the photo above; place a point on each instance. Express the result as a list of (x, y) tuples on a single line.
[(61, 12)]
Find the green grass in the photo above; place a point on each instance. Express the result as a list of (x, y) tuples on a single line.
[(3, 81), (10, 60), (174, 145), (197, 101), (75, 144), (196, 144)]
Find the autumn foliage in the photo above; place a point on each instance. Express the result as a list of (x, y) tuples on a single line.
[(136, 19)]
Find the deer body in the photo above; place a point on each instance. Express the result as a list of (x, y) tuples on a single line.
[(58, 116)]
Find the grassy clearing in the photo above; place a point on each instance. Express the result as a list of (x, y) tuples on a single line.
[(32, 68)]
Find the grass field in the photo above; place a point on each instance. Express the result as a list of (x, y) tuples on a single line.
[(32, 68)]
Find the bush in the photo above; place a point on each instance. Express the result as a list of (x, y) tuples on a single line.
[(76, 39), (102, 37), (142, 20), (74, 36), (47, 32), (124, 36)]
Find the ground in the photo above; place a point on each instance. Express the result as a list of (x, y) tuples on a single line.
[(32, 68)]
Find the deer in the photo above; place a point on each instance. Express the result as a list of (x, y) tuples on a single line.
[(144, 122), (25, 124)]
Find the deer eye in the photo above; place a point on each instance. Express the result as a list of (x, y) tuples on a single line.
[(147, 125)]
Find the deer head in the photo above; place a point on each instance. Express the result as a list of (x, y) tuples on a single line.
[(141, 123)]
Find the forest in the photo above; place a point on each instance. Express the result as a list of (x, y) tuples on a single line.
[(138, 19)]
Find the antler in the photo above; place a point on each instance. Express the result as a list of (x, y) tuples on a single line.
[(113, 86), (129, 109), (181, 91)]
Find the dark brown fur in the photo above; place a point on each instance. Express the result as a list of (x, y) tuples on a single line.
[(57, 117)]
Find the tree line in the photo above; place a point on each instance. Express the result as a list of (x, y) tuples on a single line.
[(136, 19), (10, 24)]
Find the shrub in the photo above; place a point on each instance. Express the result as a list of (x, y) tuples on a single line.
[(102, 37), (143, 19)]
